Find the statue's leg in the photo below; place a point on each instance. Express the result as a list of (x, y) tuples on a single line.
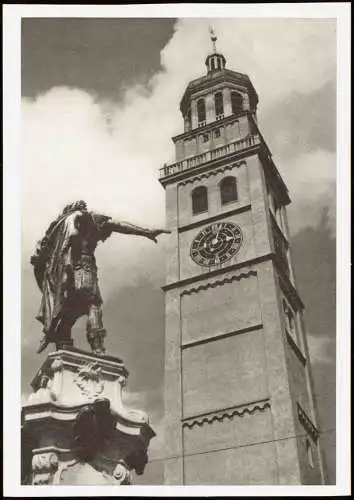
[(63, 338), (95, 330)]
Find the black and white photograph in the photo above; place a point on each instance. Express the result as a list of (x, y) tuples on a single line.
[(177, 236)]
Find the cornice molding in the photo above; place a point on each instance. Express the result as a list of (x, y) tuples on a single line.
[(209, 220), (240, 80), (210, 126), (278, 229), (227, 279), (216, 272), (75, 358), (205, 175), (49, 413), (220, 336), (287, 287), (230, 413), (212, 164), (295, 348)]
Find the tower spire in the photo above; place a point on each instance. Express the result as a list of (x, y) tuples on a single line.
[(215, 61)]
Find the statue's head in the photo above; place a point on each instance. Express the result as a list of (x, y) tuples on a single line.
[(76, 205), (80, 205)]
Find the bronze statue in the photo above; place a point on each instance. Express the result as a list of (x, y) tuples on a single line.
[(66, 272)]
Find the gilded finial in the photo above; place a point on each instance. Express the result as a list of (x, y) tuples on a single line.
[(213, 38)]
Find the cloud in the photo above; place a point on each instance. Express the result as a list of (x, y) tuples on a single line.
[(69, 153), (322, 349), (302, 122), (311, 179), (281, 56), (150, 402)]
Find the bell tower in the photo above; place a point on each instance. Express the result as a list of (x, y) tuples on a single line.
[(239, 403)]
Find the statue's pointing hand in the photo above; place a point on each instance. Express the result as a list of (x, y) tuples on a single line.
[(153, 233)]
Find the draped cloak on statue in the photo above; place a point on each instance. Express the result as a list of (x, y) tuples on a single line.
[(65, 268)]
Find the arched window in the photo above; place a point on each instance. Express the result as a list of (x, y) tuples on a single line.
[(228, 190), (201, 110), (219, 104), (236, 102), (199, 200)]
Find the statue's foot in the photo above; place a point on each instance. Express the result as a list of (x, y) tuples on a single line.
[(99, 352), (43, 345)]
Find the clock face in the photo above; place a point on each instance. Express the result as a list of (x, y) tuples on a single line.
[(216, 244)]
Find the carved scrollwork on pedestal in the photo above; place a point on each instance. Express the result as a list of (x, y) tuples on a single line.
[(57, 365), (57, 374), (122, 473), (43, 392), (89, 380), (44, 465), (122, 381)]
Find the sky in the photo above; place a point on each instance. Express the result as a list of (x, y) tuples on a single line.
[(100, 103)]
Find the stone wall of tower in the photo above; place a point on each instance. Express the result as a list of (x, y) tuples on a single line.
[(298, 364), (233, 378), (238, 396), (249, 210)]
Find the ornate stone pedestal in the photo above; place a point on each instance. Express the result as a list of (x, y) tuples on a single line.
[(75, 428)]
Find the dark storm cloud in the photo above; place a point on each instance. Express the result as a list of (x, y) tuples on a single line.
[(134, 316), (314, 254), (82, 53)]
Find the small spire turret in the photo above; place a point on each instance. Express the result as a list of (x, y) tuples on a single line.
[(215, 61)]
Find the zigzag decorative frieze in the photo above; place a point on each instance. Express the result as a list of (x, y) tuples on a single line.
[(228, 279), (306, 422), (212, 172), (230, 413)]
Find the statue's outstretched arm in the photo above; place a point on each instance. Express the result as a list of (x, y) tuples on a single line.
[(127, 228)]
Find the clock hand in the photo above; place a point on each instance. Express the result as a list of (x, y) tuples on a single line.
[(216, 238)]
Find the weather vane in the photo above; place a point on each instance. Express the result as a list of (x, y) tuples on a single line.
[(213, 37)]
